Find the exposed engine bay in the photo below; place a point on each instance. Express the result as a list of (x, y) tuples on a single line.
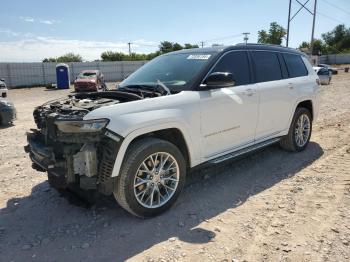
[(78, 153)]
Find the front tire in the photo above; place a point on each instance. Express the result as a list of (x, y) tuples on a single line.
[(299, 133), (151, 178)]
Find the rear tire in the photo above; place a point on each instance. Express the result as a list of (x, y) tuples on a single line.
[(151, 177), (298, 136)]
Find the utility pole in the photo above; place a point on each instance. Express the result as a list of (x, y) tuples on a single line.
[(202, 44), (313, 29), (129, 44), (246, 37), (302, 7), (289, 10)]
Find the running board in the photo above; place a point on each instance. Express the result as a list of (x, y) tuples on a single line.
[(244, 150)]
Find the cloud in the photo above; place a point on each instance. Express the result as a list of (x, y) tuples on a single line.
[(49, 22), (27, 19), (13, 34), (33, 49), (9, 32), (39, 20)]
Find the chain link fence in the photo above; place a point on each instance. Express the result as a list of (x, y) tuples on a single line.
[(44, 74)]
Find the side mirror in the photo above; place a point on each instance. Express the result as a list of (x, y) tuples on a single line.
[(219, 80)]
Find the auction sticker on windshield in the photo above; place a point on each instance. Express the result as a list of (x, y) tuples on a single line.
[(201, 57)]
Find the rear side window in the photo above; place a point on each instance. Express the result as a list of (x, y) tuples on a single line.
[(267, 67), (237, 64), (295, 65)]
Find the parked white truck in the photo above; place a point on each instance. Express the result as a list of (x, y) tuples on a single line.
[(178, 111)]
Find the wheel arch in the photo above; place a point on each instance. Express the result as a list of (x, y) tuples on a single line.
[(308, 105), (171, 133)]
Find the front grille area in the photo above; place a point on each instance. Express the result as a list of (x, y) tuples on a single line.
[(85, 85)]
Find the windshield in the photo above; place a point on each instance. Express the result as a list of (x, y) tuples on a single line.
[(173, 70), (87, 75)]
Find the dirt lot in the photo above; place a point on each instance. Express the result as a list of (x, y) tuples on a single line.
[(271, 206)]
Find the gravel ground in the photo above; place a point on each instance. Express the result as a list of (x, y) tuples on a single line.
[(270, 206)]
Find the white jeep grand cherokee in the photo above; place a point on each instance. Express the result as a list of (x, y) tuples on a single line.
[(180, 110)]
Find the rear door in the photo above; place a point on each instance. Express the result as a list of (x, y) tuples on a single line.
[(276, 94), (229, 115)]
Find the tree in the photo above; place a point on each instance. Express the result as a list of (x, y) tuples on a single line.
[(319, 48), (70, 57), (112, 56), (189, 46), (67, 58), (48, 60), (164, 47), (338, 40), (177, 46), (274, 36)]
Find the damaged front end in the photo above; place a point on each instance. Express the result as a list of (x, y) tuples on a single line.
[(76, 153)]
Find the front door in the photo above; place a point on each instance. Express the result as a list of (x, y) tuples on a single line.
[(229, 115)]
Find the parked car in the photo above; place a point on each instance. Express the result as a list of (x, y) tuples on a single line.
[(7, 112), (324, 74), (333, 70), (178, 111), (3, 88), (90, 81)]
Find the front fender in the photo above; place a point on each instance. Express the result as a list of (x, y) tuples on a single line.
[(132, 119), (193, 153)]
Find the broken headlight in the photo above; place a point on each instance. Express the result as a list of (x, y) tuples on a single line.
[(83, 126)]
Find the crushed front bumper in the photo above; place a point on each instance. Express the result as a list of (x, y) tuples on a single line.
[(78, 164)]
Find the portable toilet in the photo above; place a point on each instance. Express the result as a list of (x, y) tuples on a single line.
[(62, 76)]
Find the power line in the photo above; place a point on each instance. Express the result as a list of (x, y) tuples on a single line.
[(337, 7), (220, 38), (302, 6), (331, 18), (327, 16), (144, 44)]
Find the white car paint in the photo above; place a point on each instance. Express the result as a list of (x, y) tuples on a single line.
[(228, 119), (213, 122)]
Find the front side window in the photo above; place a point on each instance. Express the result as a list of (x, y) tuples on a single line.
[(267, 67), (295, 65), (176, 71), (237, 64)]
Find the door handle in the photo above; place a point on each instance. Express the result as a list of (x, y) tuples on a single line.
[(249, 92), (290, 86)]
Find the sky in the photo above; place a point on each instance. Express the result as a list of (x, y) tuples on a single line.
[(31, 30)]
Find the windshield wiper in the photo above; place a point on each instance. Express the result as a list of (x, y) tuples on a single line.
[(162, 85)]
